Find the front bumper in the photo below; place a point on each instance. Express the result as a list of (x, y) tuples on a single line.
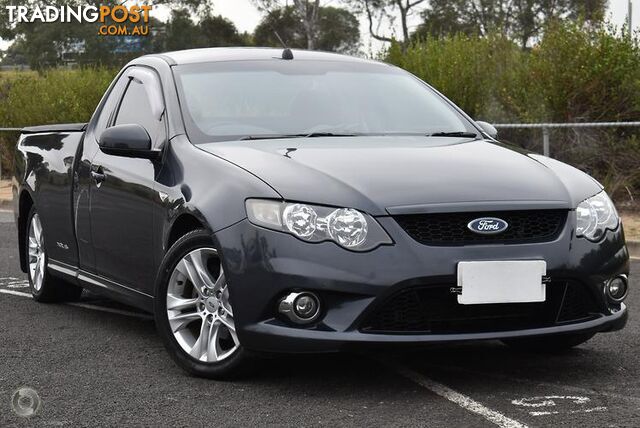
[(276, 338), (263, 265)]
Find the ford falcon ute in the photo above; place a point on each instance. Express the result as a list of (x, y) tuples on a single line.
[(260, 201)]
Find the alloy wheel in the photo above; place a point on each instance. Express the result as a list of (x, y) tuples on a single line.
[(199, 309), (37, 257)]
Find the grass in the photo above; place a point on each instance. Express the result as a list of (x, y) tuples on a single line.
[(631, 223)]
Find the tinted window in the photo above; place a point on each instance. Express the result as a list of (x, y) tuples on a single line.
[(135, 108), (229, 100)]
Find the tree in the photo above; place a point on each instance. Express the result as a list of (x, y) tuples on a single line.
[(219, 31), (381, 12), (211, 31), (287, 24), (337, 30), (55, 43), (308, 11), (521, 20), (50, 44), (182, 32), (6, 31)]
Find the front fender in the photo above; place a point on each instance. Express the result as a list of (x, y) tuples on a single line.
[(204, 186)]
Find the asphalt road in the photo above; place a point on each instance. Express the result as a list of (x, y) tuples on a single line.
[(101, 364)]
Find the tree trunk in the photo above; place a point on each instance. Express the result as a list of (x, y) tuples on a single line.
[(403, 19), (309, 11)]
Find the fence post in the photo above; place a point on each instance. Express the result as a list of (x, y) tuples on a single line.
[(545, 141)]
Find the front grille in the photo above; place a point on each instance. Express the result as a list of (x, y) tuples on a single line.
[(435, 310), (451, 228)]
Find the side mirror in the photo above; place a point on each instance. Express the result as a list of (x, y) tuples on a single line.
[(129, 140), (488, 128)]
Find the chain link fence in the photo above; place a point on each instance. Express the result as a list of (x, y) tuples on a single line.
[(609, 151), (546, 128)]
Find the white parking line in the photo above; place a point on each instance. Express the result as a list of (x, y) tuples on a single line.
[(11, 282), (17, 284), (86, 306), (461, 400), (15, 293), (551, 401), (526, 381), (571, 412)]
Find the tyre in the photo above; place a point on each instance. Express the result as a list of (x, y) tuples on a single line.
[(193, 310), (548, 344), (44, 287)]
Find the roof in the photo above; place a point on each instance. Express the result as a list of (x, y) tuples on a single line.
[(193, 56)]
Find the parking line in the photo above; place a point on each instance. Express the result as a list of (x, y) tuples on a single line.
[(571, 412), (461, 400), (552, 385), (87, 306), (15, 293)]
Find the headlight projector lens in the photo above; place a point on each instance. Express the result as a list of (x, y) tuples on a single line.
[(594, 216), (300, 219), (347, 227)]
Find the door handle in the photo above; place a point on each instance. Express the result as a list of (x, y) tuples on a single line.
[(98, 177)]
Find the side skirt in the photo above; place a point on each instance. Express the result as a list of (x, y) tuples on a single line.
[(101, 285)]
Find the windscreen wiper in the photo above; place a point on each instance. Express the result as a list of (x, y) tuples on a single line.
[(308, 135), (330, 134), (460, 134)]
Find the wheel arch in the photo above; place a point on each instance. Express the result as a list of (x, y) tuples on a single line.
[(182, 225)]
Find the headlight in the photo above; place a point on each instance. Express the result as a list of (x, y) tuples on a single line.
[(346, 227), (594, 216)]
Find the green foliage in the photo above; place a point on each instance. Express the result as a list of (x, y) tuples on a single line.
[(56, 96), (475, 72), (586, 74), (576, 73), (521, 20), (46, 45), (338, 30)]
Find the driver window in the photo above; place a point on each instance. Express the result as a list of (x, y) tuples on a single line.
[(135, 108), (110, 105)]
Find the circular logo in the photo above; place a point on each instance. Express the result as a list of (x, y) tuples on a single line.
[(212, 304), (25, 402), (487, 225)]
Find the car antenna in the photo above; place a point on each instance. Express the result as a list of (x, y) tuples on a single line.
[(286, 53)]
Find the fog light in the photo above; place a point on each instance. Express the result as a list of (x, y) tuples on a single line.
[(616, 288), (300, 307)]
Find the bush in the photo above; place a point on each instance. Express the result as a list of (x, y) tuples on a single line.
[(575, 74), (55, 96), (476, 73)]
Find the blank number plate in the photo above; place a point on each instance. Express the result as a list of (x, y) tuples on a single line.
[(501, 281)]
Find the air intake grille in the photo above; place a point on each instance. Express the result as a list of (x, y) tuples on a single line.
[(434, 309), (451, 228)]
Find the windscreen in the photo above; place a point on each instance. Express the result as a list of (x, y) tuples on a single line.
[(252, 99)]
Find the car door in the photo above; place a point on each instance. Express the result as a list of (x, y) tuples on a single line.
[(83, 182), (122, 191)]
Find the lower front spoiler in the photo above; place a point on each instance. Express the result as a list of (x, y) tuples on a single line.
[(267, 337)]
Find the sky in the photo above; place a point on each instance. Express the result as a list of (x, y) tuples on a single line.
[(245, 16)]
